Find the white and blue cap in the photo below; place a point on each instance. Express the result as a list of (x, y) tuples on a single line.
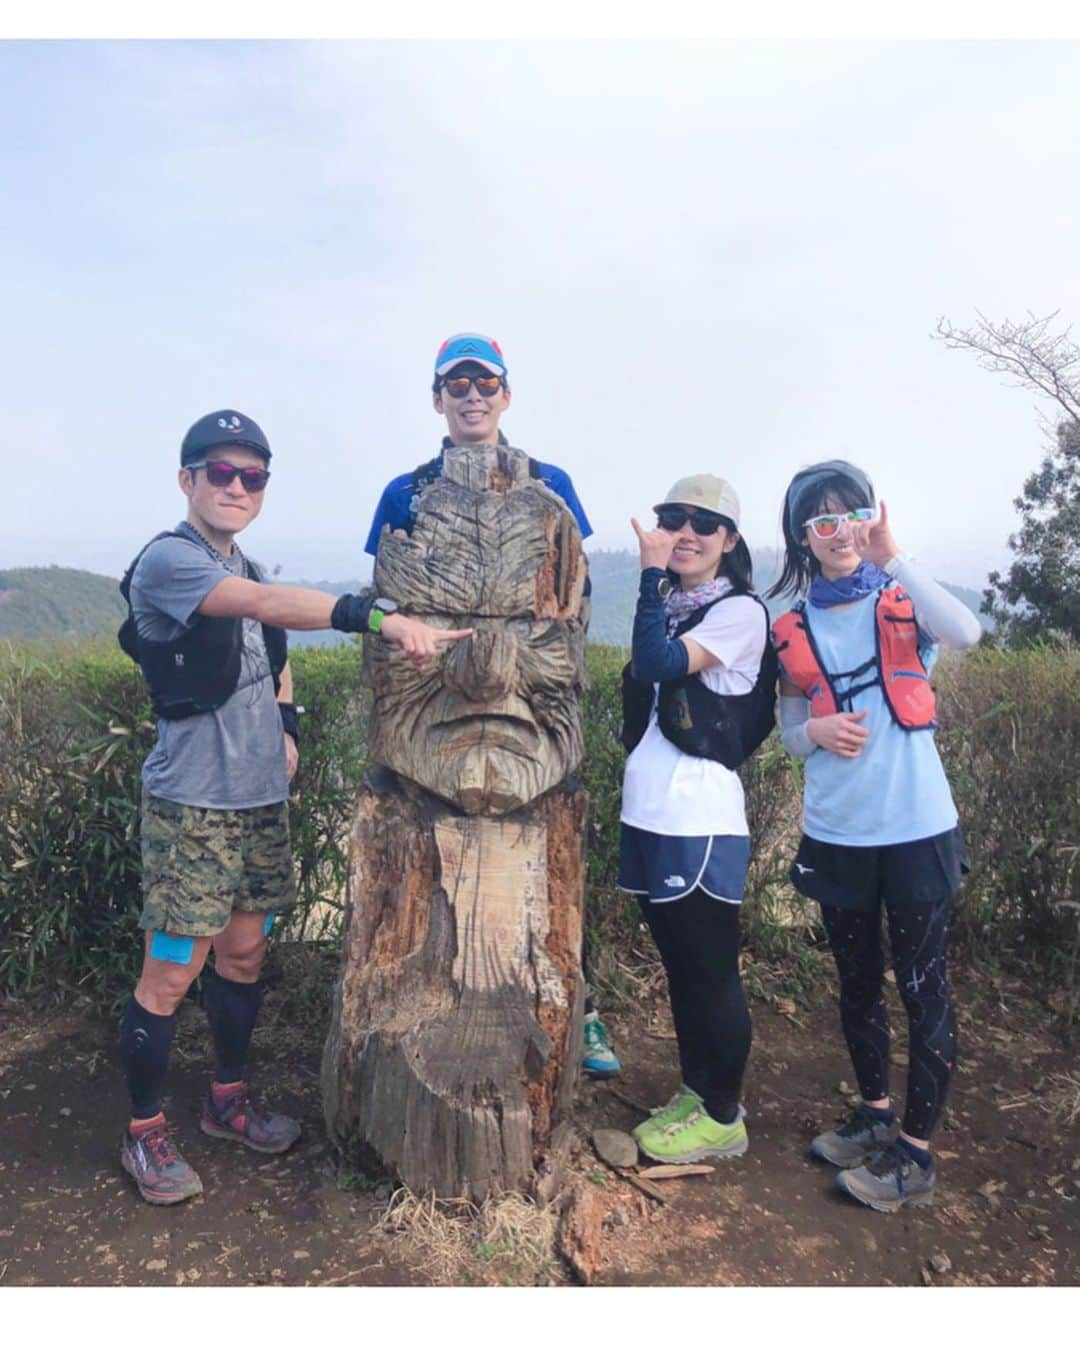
[(473, 348), (806, 486)]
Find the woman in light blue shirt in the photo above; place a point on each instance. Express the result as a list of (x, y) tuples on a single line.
[(879, 823)]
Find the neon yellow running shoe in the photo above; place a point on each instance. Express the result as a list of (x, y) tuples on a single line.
[(681, 1104), (694, 1138)]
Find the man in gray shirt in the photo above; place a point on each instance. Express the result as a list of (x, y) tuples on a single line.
[(207, 631)]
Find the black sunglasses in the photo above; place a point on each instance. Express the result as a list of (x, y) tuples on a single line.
[(252, 479), (672, 517), (487, 385)]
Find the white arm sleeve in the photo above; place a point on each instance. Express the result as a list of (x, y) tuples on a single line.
[(794, 715), (944, 618)]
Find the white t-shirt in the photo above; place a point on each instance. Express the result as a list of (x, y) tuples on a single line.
[(678, 795)]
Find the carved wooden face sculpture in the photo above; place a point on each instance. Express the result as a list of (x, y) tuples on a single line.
[(495, 721)]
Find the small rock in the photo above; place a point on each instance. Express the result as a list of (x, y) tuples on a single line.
[(156, 1264), (620, 1217), (844, 1088), (65, 1112), (300, 1254), (384, 1191), (616, 1148), (940, 1263)]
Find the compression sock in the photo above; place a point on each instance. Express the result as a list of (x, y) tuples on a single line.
[(145, 1040), (923, 1158), (884, 1115), (231, 1009)]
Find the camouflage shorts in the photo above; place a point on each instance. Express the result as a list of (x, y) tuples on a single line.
[(201, 865)]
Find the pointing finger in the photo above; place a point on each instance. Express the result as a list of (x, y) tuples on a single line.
[(442, 636)]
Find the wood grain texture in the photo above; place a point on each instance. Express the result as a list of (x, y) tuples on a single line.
[(457, 1022), (456, 1034)]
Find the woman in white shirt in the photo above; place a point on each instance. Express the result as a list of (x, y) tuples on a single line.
[(699, 639)]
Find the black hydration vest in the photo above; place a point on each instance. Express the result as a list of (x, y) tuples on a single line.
[(726, 727), (198, 671)]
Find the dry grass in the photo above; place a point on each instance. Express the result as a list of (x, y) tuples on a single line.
[(505, 1240), (1062, 1098)]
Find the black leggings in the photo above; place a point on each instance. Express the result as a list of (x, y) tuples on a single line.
[(918, 935), (698, 939)]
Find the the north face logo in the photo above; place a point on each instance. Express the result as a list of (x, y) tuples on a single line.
[(233, 424)]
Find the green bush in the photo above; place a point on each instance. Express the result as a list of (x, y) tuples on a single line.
[(74, 729), (1010, 739), (75, 726)]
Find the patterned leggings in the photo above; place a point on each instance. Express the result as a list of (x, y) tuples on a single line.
[(918, 935)]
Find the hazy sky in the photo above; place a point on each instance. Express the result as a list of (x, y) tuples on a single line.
[(697, 257)]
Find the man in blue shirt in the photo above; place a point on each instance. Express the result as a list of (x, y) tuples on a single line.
[(472, 391)]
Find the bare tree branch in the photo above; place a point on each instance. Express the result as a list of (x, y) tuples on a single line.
[(1030, 353)]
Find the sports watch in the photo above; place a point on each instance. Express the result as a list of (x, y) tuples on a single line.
[(380, 610)]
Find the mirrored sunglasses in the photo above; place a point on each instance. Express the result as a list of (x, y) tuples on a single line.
[(672, 517), (252, 479), (487, 385), (826, 526)]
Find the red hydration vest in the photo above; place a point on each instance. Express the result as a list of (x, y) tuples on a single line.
[(896, 666)]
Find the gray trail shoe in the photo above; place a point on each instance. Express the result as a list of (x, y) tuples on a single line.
[(888, 1180), (162, 1176), (856, 1140)]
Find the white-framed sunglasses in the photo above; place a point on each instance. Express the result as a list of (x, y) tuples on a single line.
[(826, 526)]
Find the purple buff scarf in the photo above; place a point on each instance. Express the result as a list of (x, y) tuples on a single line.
[(680, 603), (867, 580)]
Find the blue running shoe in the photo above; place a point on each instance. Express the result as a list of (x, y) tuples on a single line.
[(599, 1058)]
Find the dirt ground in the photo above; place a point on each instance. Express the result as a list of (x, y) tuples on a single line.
[(1006, 1211)]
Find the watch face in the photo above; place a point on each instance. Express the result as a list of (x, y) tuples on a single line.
[(386, 605)]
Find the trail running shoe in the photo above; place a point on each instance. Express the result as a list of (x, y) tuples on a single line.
[(888, 1180), (694, 1138), (599, 1059), (681, 1104), (857, 1139), (161, 1175), (237, 1118)]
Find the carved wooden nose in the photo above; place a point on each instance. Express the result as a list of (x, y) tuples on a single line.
[(484, 667)]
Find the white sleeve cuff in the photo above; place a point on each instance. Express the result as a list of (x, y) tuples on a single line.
[(794, 719)]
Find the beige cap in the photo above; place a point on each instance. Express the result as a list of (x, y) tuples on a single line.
[(713, 493)]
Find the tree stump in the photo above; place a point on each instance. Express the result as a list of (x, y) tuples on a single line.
[(457, 1020), (456, 1031)]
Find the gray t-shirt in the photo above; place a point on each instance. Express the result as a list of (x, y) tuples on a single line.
[(230, 758)]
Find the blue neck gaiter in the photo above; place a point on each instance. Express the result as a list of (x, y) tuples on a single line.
[(867, 580)]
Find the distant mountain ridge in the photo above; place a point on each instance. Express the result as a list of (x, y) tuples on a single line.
[(615, 575), (50, 602), (55, 602)]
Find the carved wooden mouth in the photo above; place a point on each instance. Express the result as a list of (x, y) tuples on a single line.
[(489, 731)]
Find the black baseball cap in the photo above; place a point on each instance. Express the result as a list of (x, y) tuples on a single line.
[(218, 428)]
